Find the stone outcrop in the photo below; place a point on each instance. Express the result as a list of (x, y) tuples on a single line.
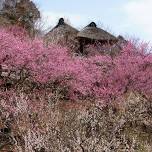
[(19, 12)]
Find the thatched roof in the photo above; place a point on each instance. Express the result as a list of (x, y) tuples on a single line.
[(62, 28), (93, 32), (61, 31)]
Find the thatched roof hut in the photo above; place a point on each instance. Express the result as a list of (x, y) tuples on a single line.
[(62, 33), (121, 40), (92, 32)]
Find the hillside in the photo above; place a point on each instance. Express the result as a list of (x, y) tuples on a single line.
[(72, 90)]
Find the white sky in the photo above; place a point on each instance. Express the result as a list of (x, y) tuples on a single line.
[(126, 17)]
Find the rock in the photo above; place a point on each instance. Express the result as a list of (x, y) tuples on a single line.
[(23, 13)]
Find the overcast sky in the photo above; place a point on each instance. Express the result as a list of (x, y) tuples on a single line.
[(126, 17)]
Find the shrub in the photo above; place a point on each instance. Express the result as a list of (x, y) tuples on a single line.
[(100, 77)]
